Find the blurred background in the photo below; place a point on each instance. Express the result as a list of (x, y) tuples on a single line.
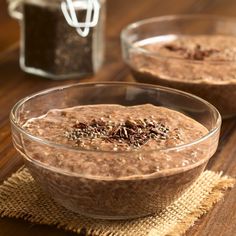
[(119, 14)]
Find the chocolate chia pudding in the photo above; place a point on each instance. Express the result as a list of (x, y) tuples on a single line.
[(116, 161), (204, 65)]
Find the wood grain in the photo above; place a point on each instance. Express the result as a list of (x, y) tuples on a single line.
[(15, 84)]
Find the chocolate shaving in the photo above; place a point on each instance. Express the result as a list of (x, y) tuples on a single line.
[(80, 126), (200, 54), (135, 133)]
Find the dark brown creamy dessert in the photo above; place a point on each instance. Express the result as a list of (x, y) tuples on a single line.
[(201, 64), (121, 164), (117, 128)]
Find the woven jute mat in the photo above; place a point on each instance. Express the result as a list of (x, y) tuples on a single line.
[(21, 197)]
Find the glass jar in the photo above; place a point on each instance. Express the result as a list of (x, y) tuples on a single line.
[(51, 46)]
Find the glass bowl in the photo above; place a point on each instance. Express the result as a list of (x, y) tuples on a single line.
[(105, 197), (212, 79)]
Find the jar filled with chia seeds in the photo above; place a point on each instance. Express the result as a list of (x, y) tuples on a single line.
[(60, 38)]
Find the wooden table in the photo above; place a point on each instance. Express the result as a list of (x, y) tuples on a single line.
[(14, 84)]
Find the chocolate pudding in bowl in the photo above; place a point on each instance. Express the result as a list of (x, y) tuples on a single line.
[(115, 150), (196, 54)]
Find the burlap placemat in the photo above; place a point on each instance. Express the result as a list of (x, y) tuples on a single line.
[(21, 197)]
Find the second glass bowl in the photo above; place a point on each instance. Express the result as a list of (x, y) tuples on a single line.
[(213, 80)]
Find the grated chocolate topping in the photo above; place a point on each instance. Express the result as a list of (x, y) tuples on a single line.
[(198, 53), (134, 133)]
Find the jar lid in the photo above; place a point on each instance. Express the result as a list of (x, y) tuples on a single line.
[(69, 9)]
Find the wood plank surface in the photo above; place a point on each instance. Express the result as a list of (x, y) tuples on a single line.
[(15, 84)]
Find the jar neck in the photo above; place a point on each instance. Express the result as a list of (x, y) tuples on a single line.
[(44, 2), (69, 9)]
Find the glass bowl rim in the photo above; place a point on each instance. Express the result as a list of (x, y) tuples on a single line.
[(211, 132), (135, 25)]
